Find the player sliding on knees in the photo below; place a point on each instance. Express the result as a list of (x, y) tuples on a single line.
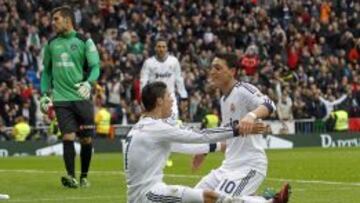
[(245, 165), (150, 142)]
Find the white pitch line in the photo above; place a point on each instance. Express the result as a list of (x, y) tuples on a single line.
[(27, 171), (324, 182), (66, 198)]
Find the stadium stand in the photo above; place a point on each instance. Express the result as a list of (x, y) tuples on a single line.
[(305, 50)]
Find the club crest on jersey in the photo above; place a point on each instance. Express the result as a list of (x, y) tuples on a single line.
[(232, 107)]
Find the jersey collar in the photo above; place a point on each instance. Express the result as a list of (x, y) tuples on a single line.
[(69, 34), (163, 59), (227, 95)]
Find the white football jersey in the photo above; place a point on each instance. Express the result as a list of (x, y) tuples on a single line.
[(167, 71), (243, 152), (148, 145)]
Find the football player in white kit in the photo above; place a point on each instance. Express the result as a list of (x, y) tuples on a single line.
[(245, 165), (150, 142), (166, 68)]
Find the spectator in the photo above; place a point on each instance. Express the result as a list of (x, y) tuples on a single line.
[(3, 134), (135, 46), (297, 41), (341, 119), (284, 108), (250, 61), (325, 10), (102, 121), (114, 89), (53, 133), (329, 104), (211, 120), (21, 129)]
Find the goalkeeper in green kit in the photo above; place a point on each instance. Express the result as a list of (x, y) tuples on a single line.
[(71, 67)]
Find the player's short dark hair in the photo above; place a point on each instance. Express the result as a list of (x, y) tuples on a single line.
[(66, 12), (151, 92), (230, 59), (161, 39)]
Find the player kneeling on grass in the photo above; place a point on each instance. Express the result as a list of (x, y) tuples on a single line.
[(150, 142), (71, 67), (245, 165)]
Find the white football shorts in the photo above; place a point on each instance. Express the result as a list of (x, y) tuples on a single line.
[(232, 183)]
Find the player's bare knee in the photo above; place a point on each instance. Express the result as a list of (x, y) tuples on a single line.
[(86, 140), (210, 196), (192, 195), (69, 137)]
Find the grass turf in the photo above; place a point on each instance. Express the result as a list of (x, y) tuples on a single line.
[(316, 175)]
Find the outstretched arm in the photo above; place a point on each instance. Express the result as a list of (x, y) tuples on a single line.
[(198, 159), (168, 133), (323, 100), (340, 100), (195, 148)]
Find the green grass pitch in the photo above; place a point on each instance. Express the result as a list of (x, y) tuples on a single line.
[(316, 175)]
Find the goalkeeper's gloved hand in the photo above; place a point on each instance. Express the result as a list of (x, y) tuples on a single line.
[(84, 89), (45, 104)]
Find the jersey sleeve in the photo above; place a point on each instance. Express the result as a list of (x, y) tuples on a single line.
[(169, 133), (92, 56), (46, 75), (179, 81), (144, 75), (190, 148), (254, 98)]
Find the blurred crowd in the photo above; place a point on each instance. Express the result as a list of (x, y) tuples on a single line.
[(304, 54)]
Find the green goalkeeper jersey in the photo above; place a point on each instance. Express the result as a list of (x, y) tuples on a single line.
[(69, 59)]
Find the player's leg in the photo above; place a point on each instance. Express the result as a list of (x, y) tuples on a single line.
[(242, 185), (283, 195), (280, 197), (68, 127), (69, 160), (85, 157), (210, 181), (182, 194), (85, 118)]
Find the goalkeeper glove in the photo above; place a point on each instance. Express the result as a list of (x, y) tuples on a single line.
[(84, 89), (45, 103)]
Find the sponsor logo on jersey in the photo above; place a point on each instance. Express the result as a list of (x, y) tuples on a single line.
[(65, 61), (162, 75)]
